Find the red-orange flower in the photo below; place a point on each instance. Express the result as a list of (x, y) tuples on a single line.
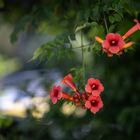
[(132, 30), (94, 103), (67, 96), (68, 80), (113, 44), (94, 87), (56, 94), (88, 99)]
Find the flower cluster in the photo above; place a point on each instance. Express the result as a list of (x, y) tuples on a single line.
[(114, 42), (89, 99)]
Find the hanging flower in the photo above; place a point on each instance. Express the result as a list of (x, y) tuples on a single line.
[(56, 94), (94, 103), (87, 99), (68, 80), (94, 87), (114, 42)]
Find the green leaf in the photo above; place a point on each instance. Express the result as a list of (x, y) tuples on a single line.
[(20, 26), (112, 28), (57, 49), (115, 18)]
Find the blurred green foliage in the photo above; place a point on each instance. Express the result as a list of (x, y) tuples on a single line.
[(120, 117), (5, 63)]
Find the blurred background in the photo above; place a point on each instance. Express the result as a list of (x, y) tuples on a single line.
[(39, 44)]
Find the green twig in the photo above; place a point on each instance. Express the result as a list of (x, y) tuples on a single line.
[(105, 23), (83, 58)]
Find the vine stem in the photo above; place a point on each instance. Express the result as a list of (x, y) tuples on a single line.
[(83, 58), (105, 23)]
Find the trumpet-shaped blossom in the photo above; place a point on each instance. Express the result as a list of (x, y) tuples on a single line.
[(68, 80), (94, 103), (67, 96), (56, 94), (88, 99), (94, 87), (132, 30), (113, 44)]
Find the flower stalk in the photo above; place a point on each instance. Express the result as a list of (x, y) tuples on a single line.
[(83, 58), (105, 23)]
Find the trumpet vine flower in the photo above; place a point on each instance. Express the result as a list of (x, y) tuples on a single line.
[(114, 43)]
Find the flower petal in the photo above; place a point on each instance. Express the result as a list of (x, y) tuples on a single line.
[(88, 88), (100, 104), (105, 44), (114, 49), (96, 92), (91, 81), (110, 36), (88, 104), (94, 110), (101, 88), (54, 100)]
